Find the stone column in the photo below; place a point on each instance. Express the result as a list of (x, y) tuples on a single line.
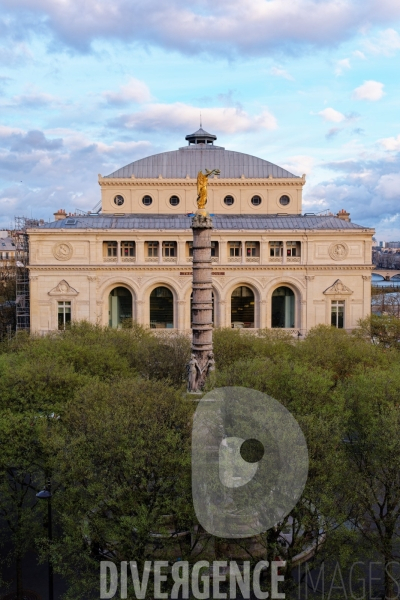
[(92, 279), (202, 360)]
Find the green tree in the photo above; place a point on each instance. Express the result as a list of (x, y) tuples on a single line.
[(122, 457), (373, 454), (22, 468), (381, 329)]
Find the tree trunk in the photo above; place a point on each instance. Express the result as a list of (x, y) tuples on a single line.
[(19, 576), (389, 579)]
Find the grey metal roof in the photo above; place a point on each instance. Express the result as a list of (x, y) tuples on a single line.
[(259, 222), (189, 160), (7, 244)]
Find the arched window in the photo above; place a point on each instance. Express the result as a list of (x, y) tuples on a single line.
[(242, 307), (161, 308), (119, 306), (283, 307)]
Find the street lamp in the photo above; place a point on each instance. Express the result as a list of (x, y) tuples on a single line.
[(46, 495)]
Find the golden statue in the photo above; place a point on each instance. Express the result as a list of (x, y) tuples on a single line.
[(202, 181)]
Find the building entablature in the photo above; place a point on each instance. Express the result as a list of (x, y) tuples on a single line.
[(191, 182)]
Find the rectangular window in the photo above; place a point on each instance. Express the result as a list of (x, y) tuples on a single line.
[(64, 314), (337, 313), (169, 249), (235, 248), (276, 248), (293, 248), (252, 249), (152, 249), (110, 249), (127, 249), (214, 249)]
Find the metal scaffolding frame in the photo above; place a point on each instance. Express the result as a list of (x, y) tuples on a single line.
[(21, 240)]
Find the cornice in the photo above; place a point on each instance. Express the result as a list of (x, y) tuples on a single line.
[(310, 233), (176, 269), (132, 181)]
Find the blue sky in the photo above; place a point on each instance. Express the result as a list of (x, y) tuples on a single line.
[(312, 85)]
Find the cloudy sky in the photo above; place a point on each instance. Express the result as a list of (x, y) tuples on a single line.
[(87, 86)]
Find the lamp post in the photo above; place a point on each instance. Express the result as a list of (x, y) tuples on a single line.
[(46, 495)]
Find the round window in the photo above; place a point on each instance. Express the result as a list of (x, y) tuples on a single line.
[(174, 201), (256, 200), (229, 200), (147, 200), (284, 200), (119, 200)]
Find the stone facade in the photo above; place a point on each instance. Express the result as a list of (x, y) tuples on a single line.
[(272, 267)]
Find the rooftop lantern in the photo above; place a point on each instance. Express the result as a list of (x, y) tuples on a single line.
[(201, 137)]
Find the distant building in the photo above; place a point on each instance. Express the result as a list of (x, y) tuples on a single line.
[(7, 249), (272, 266)]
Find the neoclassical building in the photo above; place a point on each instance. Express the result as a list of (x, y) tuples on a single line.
[(272, 265)]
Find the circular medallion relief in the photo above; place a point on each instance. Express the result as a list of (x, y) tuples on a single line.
[(62, 251), (338, 251)]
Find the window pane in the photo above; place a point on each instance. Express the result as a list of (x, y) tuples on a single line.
[(152, 249), (112, 248), (64, 314), (127, 248), (337, 314)]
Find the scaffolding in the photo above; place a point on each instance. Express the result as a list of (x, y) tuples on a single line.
[(22, 299)]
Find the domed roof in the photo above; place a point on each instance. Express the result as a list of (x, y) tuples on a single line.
[(199, 155)]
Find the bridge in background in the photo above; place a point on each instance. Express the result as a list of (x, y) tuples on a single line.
[(387, 274)]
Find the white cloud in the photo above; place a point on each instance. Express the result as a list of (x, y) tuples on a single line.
[(6, 131), (332, 115), (388, 186), (369, 90), (359, 54), (45, 170), (184, 117), (134, 91), (342, 65), (281, 73), (392, 143), (299, 164), (253, 27), (386, 42), (366, 184), (35, 100)]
